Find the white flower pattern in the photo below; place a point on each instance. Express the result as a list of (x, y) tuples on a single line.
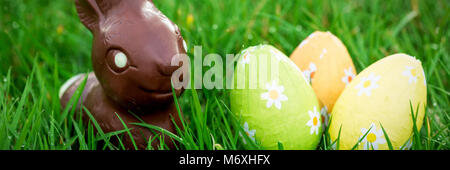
[(368, 84), (245, 58), (274, 95), (248, 132), (349, 76), (373, 138), (246, 55), (310, 72), (324, 51), (314, 122), (411, 73)]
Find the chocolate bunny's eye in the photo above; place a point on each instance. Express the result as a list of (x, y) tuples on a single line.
[(117, 61)]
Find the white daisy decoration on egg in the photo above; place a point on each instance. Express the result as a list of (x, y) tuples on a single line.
[(249, 132), (368, 84), (349, 76), (411, 73), (324, 51), (245, 57), (373, 138), (314, 121), (310, 72), (274, 95), (325, 116)]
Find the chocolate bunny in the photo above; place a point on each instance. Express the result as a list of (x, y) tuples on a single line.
[(132, 50)]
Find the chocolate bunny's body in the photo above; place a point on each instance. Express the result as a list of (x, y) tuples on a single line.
[(132, 51)]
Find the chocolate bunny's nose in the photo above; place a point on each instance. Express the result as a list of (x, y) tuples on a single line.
[(167, 70), (166, 67)]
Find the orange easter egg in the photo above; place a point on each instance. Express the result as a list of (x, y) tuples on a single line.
[(326, 63)]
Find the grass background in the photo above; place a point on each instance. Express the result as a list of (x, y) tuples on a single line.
[(42, 44)]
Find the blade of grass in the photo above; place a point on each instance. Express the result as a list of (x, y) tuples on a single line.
[(80, 136), (360, 139), (387, 138), (162, 130), (128, 132)]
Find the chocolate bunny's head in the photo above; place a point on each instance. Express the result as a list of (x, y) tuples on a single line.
[(132, 50)]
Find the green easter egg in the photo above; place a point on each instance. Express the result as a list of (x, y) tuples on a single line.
[(274, 101)]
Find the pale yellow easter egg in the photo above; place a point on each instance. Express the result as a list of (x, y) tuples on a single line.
[(380, 96), (326, 63)]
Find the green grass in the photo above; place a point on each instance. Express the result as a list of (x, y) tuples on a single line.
[(42, 44)]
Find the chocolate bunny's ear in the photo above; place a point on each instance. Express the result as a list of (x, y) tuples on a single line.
[(89, 13)]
